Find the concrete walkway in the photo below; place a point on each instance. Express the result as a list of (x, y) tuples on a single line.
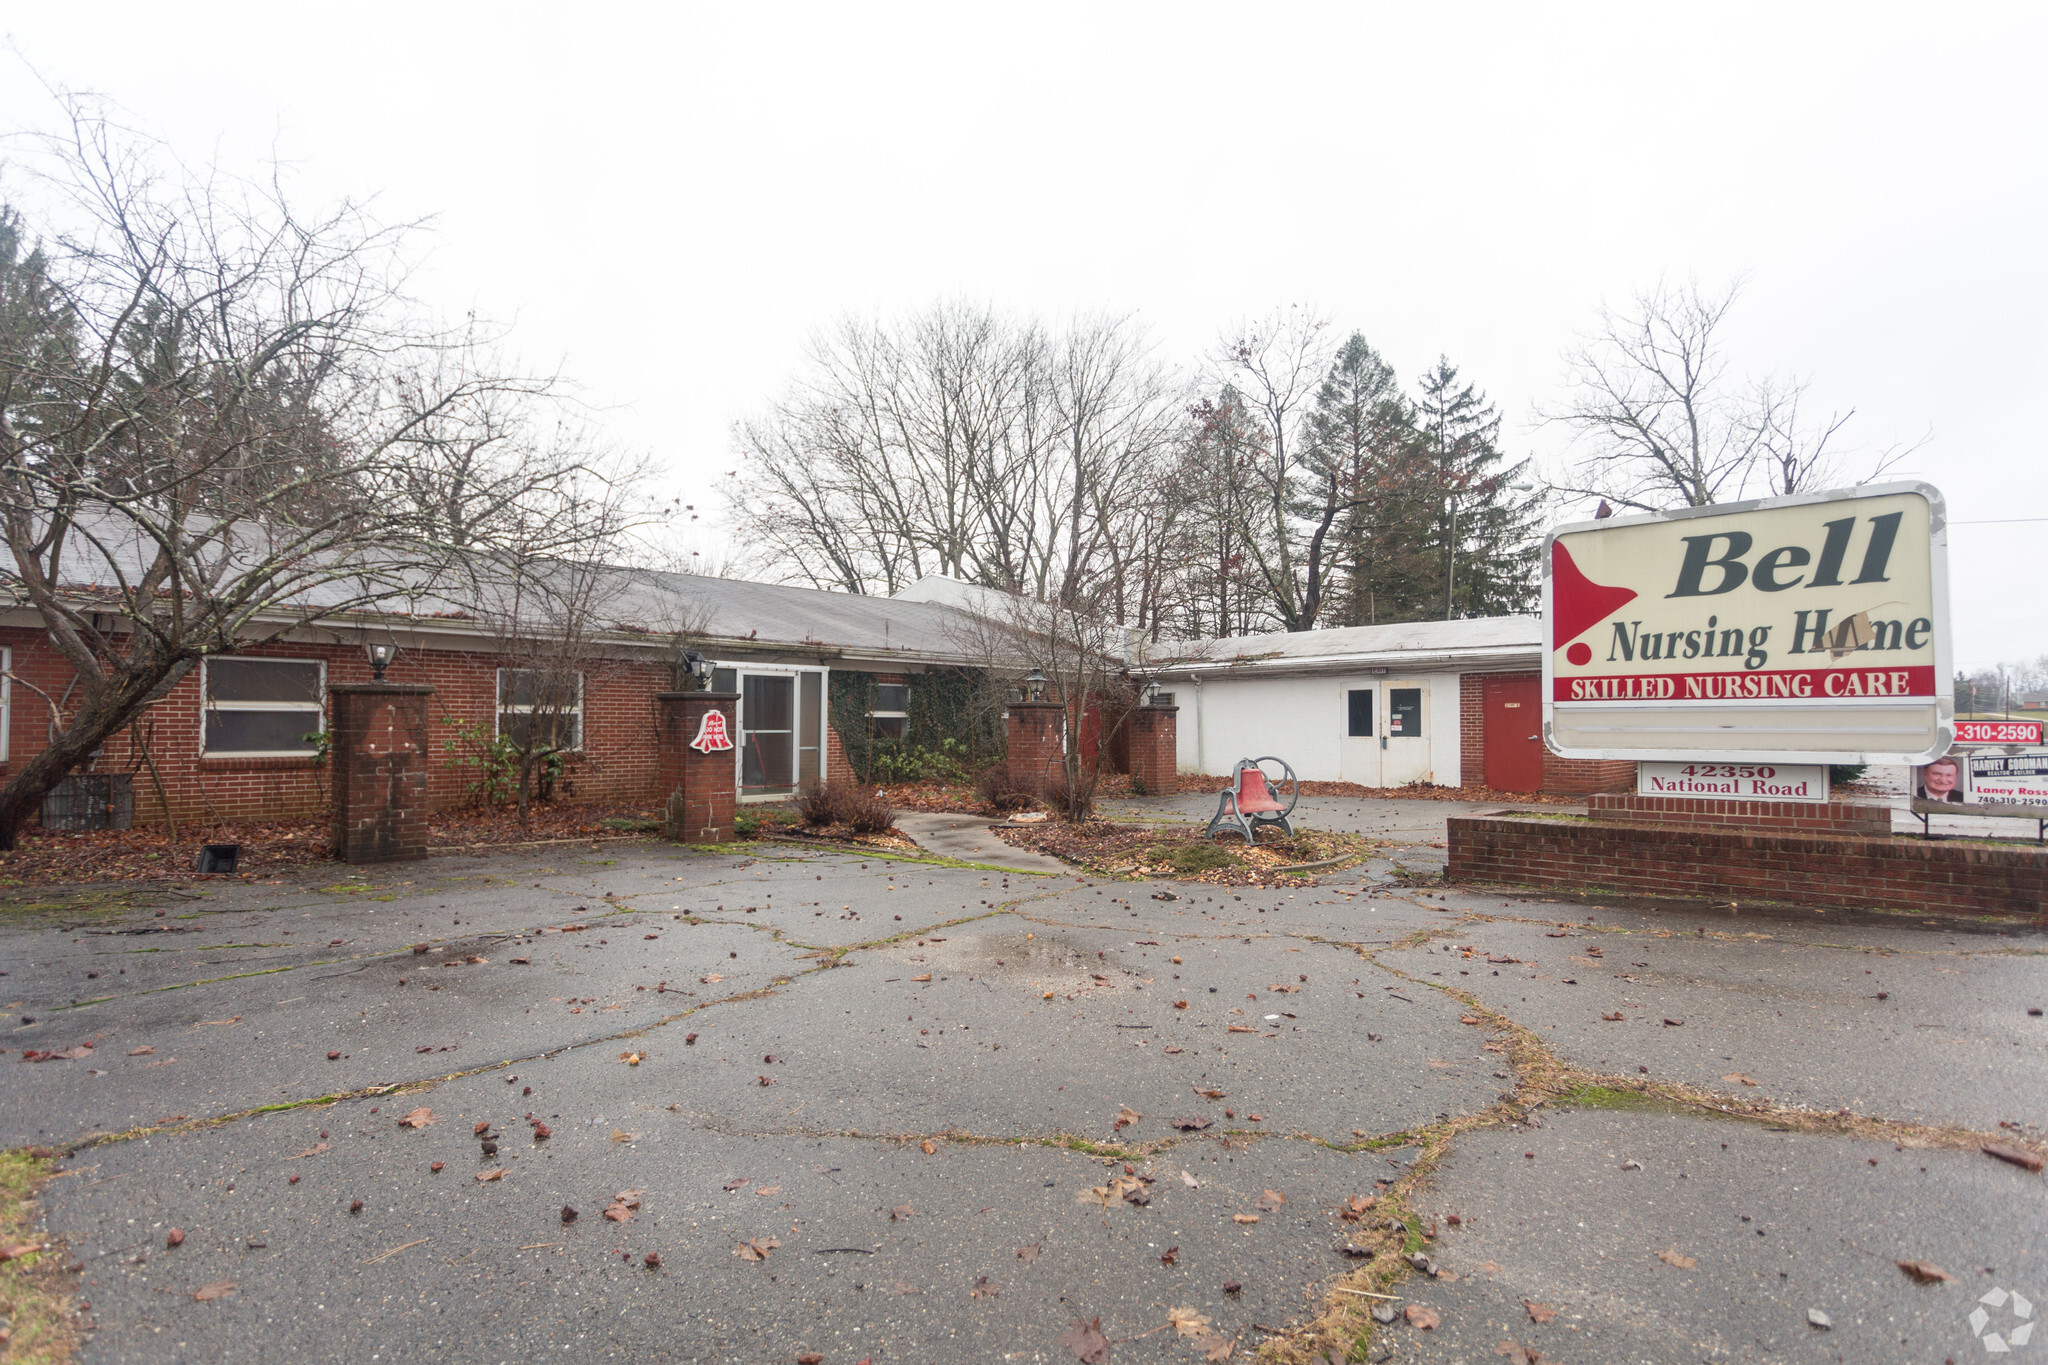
[(970, 839)]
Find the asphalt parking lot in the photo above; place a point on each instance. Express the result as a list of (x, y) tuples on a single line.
[(893, 1110)]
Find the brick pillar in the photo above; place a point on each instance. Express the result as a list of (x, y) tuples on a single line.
[(1037, 742), (380, 754), (1155, 748), (701, 790)]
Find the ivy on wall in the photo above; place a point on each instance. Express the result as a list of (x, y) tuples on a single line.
[(955, 726)]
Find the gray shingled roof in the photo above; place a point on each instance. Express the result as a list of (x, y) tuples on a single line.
[(1412, 643)]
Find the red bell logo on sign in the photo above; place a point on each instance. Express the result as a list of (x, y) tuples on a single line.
[(711, 735)]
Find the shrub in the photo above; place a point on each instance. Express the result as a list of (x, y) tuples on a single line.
[(1000, 793), (868, 813), (1068, 805), (1839, 773), (845, 803)]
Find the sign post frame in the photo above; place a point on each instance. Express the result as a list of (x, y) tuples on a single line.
[(1942, 701)]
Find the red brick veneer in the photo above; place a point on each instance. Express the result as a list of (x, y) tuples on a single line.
[(1154, 745), (1808, 869), (1751, 817)]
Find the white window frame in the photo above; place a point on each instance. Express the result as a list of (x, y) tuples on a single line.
[(501, 707), (903, 715), (6, 700), (319, 709)]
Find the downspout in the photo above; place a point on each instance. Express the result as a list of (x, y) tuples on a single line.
[(1201, 749)]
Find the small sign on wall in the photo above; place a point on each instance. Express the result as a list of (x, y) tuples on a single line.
[(1734, 781)]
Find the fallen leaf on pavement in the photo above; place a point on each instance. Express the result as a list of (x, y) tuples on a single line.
[(808, 1357), (708, 980), (2018, 1156), (1737, 1078), (756, 1249), (982, 1289), (1190, 1181), (217, 1290), (1244, 1218), (902, 1288), (1517, 1353), (1613, 1018), (1209, 1094), (767, 1191), (1220, 1348), (901, 1212), (1671, 1256), (175, 1237), (1194, 1125), (14, 1250), (141, 1051), (1030, 1253), (316, 1149), (1241, 1028), (1674, 1023), (1270, 1200), (1539, 1313), (1126, 1116), (928, 1147), (1357, 1206), (1187, 1322), (1115, 1192), (1170, 1256), (495, 1173), (735, 1184), (1086, 1341), (418, 1118), (1423, 1316), (1926, 1272), (926, 977), (632, 1058), (1468, 1019)]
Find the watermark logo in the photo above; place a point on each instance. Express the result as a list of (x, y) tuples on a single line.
[(2014, 1320)]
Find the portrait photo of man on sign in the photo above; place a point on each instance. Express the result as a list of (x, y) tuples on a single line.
[(1939, 781)]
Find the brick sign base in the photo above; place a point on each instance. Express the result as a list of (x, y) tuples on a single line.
[(1695, 862), (701, 789), (381, 751)]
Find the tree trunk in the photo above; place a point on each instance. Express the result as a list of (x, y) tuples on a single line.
[(103, 713)]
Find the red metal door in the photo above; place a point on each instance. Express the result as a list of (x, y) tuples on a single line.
[(1513, 733)]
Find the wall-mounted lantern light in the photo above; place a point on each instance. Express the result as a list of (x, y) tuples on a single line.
[(699, 669), (381, 653), (1034, 684)]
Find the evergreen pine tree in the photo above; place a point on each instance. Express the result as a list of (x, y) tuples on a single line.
[(1484, 536)]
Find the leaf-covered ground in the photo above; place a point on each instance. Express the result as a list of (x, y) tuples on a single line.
[(1113, 848), (147, 853)]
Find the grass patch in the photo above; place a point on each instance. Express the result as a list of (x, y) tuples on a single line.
[(35, 1293), (1605, 1097), (1187, 859)]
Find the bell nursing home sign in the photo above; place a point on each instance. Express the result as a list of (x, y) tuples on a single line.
[(1808, 629)]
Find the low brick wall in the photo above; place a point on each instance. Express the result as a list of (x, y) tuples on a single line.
[(1887, 873), (1748, 817)]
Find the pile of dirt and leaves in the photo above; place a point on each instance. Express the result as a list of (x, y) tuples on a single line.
[(1414, 791), (1180, 852), (148, 853)]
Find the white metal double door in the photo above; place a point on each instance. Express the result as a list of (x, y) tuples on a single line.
[(1383, 724)]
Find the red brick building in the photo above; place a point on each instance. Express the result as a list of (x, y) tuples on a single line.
[(239, 737)]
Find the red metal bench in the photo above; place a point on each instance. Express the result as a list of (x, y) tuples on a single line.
[(1252, 799)]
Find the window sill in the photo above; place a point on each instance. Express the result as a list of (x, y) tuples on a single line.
[(245, 763)]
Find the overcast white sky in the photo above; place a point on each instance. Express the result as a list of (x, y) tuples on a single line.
[(669, 198)]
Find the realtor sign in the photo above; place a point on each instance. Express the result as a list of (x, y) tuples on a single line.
[(1809, 629)]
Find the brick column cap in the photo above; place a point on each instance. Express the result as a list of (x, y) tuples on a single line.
[(697, 696), (390, 689), (1155, 711), (1040, 706)]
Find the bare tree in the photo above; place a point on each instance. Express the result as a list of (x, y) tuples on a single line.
[(1275, 368), (959, 442), (221, 421), (1660, 420)]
